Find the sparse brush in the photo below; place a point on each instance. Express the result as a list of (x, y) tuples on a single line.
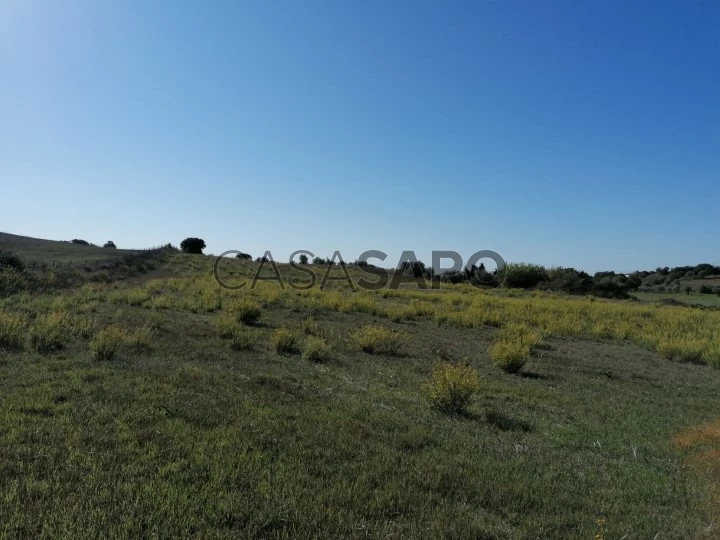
[(451, 386), (285, 341), (242, 340), (108, 342), (376, 339), (246, 311), (226, 325), (12, 331), (315, 349)]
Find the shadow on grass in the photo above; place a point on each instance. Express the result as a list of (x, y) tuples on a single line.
[(532, 375), (506, 423)]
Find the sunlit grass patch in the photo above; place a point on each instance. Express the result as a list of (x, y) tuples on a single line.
[(315, 349), (377, 339), (12, 331), (108, 342), (285, 341)]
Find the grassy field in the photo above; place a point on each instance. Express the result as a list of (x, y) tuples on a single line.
[(49, 251), (692, 299), (213, 419)]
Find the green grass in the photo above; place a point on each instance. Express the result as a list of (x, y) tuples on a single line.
[(191, 437), (50, 251), (692, 299)]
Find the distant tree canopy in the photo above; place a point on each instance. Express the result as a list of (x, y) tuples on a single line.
[(244, 256), (79, 242), (303, 258), (193, 245), (109, 244)]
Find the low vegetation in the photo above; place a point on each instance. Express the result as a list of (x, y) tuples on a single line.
[(159, 406)]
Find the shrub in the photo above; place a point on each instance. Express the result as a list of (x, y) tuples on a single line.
[(110, 245), (108, 342), (378, 339), (285, 341), (242, 340), (310, 326), (513, 346), (46, 332), (244, 256), (193, 245), (451, 387), (226, 325), (315, 349), (246, 311), (80, 242), (509, 356), (12, 331), (705, 289), (524, 276), (9, 259)]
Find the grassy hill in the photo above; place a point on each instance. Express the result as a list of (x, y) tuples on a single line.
[(203, 425), (49, 251)]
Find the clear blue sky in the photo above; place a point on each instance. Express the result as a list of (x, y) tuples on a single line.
[(584, 134)]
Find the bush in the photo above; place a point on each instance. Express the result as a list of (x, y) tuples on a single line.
[(451, 387), (509, 356), (9, 259), (12, 331), (79, 242), (705, 289), (315, 349), (108, 342), (524, 276), (379, 340), (110, 245), (46, 332), (246, 311), (310, 326), (513, 346), (244, 256), (193, 245), (285, 341), (242, 340)]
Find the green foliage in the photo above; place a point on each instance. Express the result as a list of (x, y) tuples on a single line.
[(47, 332), (315, 349), (246, 311), (513, 346), (451, 386), (108, 342), (12, 331), (9, 259), (242, 340), (285, 341), (110, 245), (193, 245), (310, 326), (524, 276), (376, 339)]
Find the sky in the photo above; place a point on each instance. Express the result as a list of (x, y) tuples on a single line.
[(582, 134)]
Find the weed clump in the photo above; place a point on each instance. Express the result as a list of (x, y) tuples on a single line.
[(46, 333), (315, 349), (376, 339), (513, 346), (246, 311), (451, 386), (108, 342), (285, 341), (242, 340), (12, 331)]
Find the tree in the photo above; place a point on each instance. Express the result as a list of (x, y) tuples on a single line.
[(244, 256), (110, 244), (79, 242), (193, 245), (303, 258)]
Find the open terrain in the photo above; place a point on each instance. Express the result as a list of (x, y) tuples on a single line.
[(202, 423)]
